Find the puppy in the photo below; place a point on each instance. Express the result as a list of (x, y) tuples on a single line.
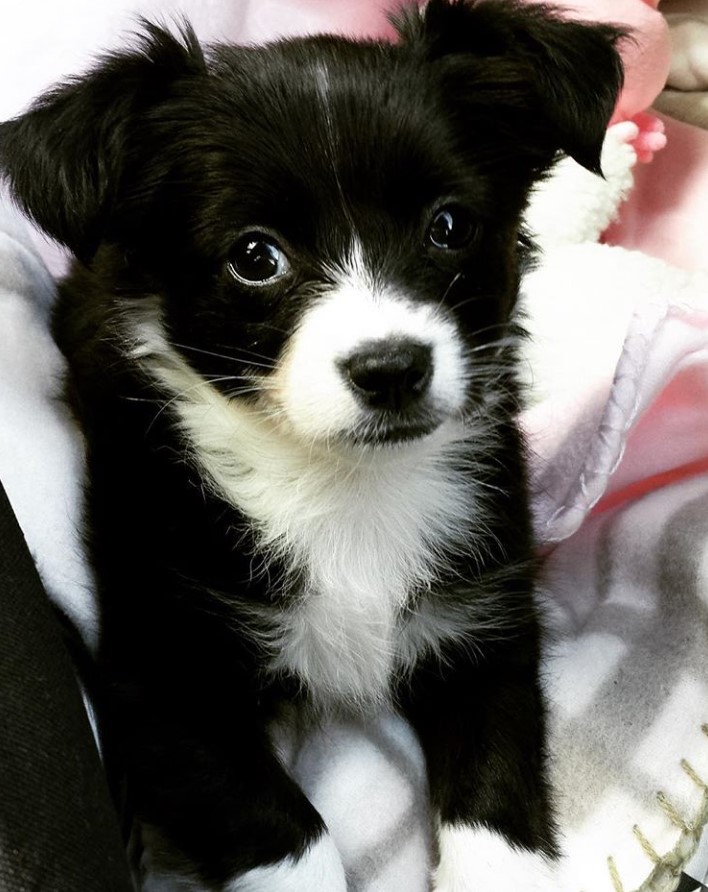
[(292, 346)]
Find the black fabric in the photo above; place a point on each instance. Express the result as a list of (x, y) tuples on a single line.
[(58, 830), (689, 885)]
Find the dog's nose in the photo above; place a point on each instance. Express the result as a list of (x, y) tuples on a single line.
[(390, 374)]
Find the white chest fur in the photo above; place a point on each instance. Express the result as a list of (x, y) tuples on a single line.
[(362, 532), (361, 536), (367, 538)]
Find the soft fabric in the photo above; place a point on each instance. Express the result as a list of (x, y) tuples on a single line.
[(686, 93), (59, 830), (41, 456), (621, 482), (689, 57), (667, 212)]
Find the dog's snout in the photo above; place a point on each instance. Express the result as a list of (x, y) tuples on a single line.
[(390, 374)]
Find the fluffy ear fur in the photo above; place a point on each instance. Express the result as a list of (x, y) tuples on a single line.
[(523, 67), (63, 159)]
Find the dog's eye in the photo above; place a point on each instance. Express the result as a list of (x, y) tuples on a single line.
[(452, 228), (257, 259)]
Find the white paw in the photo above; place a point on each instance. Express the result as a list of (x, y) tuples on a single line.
[(478, 860), (319, 870)]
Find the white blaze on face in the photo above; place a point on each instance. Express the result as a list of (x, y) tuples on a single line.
[(309, 386)]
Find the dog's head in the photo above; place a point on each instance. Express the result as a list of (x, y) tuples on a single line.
[(329, 229)]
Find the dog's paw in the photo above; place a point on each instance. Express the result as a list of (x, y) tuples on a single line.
[(318, 870), (478, 860)]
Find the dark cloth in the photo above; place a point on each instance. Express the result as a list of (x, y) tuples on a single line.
[(58, 828)]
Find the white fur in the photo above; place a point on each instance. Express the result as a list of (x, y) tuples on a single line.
[(308, 385), (478, 860), (366, 526), (319, 870)]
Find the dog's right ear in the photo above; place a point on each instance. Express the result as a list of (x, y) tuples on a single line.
[(63, 159), (547, 82)]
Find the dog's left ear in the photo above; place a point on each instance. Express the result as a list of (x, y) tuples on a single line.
[(550, 83)]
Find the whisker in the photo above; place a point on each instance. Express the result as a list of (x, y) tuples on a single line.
[(463, 303), (248, 352), (231, 358), (492, 345), (185, 393), (272, 327), (174, 399), (241, 391), (449, 288), (481, 331)]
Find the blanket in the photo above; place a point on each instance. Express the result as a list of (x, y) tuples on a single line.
[(620, 481)]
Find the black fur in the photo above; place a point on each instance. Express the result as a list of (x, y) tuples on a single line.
[(148, 168)]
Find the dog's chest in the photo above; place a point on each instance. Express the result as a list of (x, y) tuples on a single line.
[(358, 544), (361, 547), (358, 539)]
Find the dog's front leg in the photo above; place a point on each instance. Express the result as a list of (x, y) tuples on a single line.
[(481, 725), (217, 811)]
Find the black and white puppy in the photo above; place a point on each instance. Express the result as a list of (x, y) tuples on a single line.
[(292, 346)]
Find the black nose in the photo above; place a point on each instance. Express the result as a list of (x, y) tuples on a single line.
[(390, 374)]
